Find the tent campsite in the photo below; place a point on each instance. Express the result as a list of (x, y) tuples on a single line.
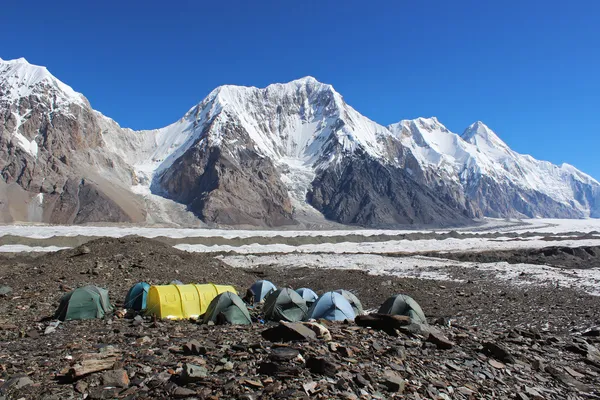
[(402, 304), (331, 306), (285, 304), (261, 289), (353, 300), (182, 301), (308, 294), (86, 302), (136, 296), (227, 307)]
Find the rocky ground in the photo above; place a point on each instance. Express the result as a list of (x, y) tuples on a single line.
[(487, 339), (581, 257)]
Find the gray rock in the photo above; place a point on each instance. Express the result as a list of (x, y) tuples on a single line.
[(17, 382), (193, 373), (115, 378), (5, 290), (394, 382)]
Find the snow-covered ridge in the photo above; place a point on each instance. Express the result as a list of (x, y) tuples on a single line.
[(480, 152), (19, 78), (303, 127)]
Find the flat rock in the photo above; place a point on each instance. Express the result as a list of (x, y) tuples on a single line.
[(441, 341), (17, 382), (394, 382), (193, 373), (498, 352), (116, 378), (289, 332)]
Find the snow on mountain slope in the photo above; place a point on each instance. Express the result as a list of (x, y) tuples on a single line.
[(479, 152), (22, 79), (259, 155), (301, 126)]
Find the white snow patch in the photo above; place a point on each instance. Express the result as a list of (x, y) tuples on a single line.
[(19, 248), (391, 246)]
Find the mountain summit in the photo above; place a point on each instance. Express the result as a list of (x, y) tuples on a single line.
[(292, 153)]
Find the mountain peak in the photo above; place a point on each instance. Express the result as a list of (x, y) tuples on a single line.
[(479, 133), (20, 79), (20, 60), (306, 79)]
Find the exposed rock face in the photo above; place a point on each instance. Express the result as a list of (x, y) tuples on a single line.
[(481, 169), (50, 142), (281, 155), (364, 192), (224, 188)]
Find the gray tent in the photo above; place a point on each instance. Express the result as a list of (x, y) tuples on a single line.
[(86, 302), (402, 304), (285, 304), (353, 300), (227, 308)]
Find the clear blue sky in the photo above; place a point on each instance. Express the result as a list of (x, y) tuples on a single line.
[(528, 69)]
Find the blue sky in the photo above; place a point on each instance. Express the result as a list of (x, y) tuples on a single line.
[(528, 69)]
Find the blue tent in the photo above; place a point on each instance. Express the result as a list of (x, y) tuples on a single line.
[(136, 297), (353, 300), (332, 307), (261, 289), (308, 295)]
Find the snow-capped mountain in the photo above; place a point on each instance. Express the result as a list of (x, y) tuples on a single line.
[(280, 155), (499, 180)]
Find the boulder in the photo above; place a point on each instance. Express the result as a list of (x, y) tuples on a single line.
[(289, 332)]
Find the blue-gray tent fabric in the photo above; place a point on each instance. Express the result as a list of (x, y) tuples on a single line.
[(331, 306), (136, 296), (353, 300), (262, 289), (285, 304), (402, 304), (308, 294)]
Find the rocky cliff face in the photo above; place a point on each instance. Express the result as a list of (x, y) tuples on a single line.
[(482, 170), (362, 191), (49, 138), (286, 154), (227, 186)]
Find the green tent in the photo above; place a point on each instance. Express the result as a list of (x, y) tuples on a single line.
[(227, 308), (285, 304), (86, 302), (402, 304), (353, 300)]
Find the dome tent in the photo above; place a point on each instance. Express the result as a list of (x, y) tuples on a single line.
[(353, 300), (87, 302), (307, 294), (285, 304), (136, 296), (402, 304), (261, 289), (229, 306), (331, 306), (182, 301)]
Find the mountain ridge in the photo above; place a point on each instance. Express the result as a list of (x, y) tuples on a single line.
[(252, 156)]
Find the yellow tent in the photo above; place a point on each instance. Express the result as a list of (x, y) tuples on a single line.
[(182, 301)]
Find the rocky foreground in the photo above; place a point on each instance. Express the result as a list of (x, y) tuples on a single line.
[(486, 339)]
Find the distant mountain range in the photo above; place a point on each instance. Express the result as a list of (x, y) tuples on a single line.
[(288, 154)]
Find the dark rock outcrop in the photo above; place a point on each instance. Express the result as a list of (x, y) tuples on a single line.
[(363, 191), (234, 187)]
